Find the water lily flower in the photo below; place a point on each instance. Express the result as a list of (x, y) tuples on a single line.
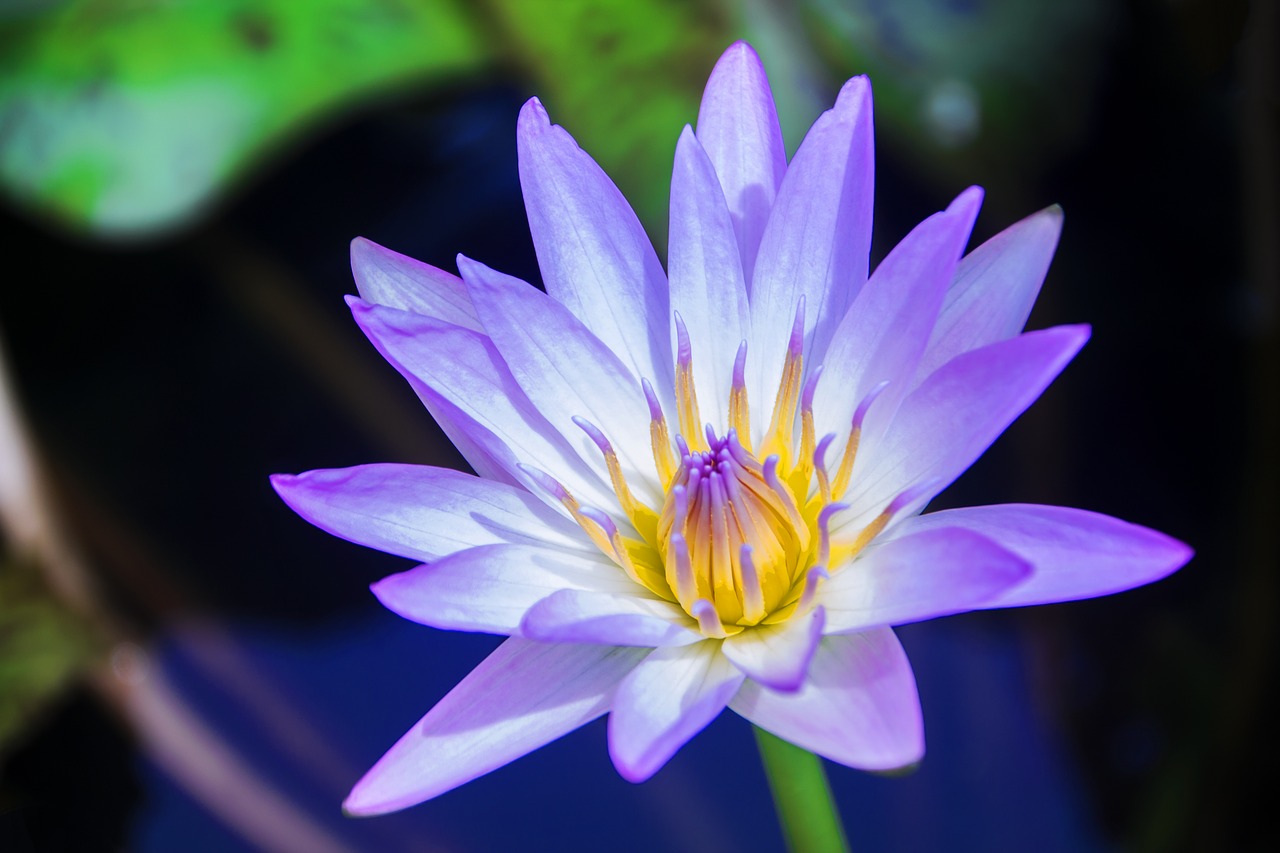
[(701, 488)]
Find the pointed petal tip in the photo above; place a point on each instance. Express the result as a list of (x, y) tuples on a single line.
[(533, 115), (971, 198), (739, 58), (855, 88)]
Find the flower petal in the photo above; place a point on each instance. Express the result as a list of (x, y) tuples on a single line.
[(574, 616), (490, 588), (946, 423), (817, 241), (934, 572), (995, 286), (1076, 554), (523, 696), (451, 365), (566, 371), (424, 513), (670, 697), (738, 127), (595, 256), (858, 707), (778, 656), (707, 288), (886, 328), (384, 277)]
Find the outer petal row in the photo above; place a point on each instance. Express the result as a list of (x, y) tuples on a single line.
[(566, 371), (932, 572), (424, 513), (946, 423), (453, 367), (521, 697), (1075, 553), (707, 287), (490, 588), (994, 288), (595, 256), (882, 335), (384, 277), (817, 241), (666, 700), (858, 706), (738, 127)]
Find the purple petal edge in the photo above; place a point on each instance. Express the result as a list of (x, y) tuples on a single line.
[(1075, 553)]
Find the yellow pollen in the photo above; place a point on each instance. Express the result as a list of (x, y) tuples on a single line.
[(741, 537)]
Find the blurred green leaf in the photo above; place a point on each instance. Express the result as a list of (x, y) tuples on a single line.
[(125, 116), (622, 76), (41, 647)]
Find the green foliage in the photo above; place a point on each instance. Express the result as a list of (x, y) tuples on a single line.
[(124, 116), (41, 647)]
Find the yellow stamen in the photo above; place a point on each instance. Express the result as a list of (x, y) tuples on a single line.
[(739, 411), (686, 393)]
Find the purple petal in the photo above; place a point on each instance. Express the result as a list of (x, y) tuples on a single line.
[(1075, 554), (462, 370), (932, 573), (778, 656), (818, 238), (595, 257), (886, 328), (707, 288), (566, 372), (490, 588), (995, 286), (424, 513), (670, 697), (946, 423), (858, 706), (573, 616), (521, 697), (738, 127), (384, 277)]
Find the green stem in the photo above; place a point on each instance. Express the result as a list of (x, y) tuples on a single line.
[(802, 797)]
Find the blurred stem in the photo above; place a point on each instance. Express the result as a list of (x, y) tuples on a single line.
[(802, 797)]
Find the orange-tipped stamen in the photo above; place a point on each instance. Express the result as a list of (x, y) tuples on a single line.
[(778, 438), (644, 519), (739, 410), (845, 471), (686, 393), (659, 436)]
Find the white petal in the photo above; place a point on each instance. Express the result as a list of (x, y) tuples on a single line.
[(858, 707), (491, 587), (707, 288), (566, 372), (738, 127), (778, 656), (670, 697), (424, 513), (933, 573), (574, 616), (595, 257), (384, 277)]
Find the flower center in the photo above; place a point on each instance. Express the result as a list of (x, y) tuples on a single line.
[(730, 532), (741, 537)]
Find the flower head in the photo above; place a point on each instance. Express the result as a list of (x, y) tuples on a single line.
[(701, 488)]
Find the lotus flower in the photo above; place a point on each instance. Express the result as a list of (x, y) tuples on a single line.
[(701, 488)]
